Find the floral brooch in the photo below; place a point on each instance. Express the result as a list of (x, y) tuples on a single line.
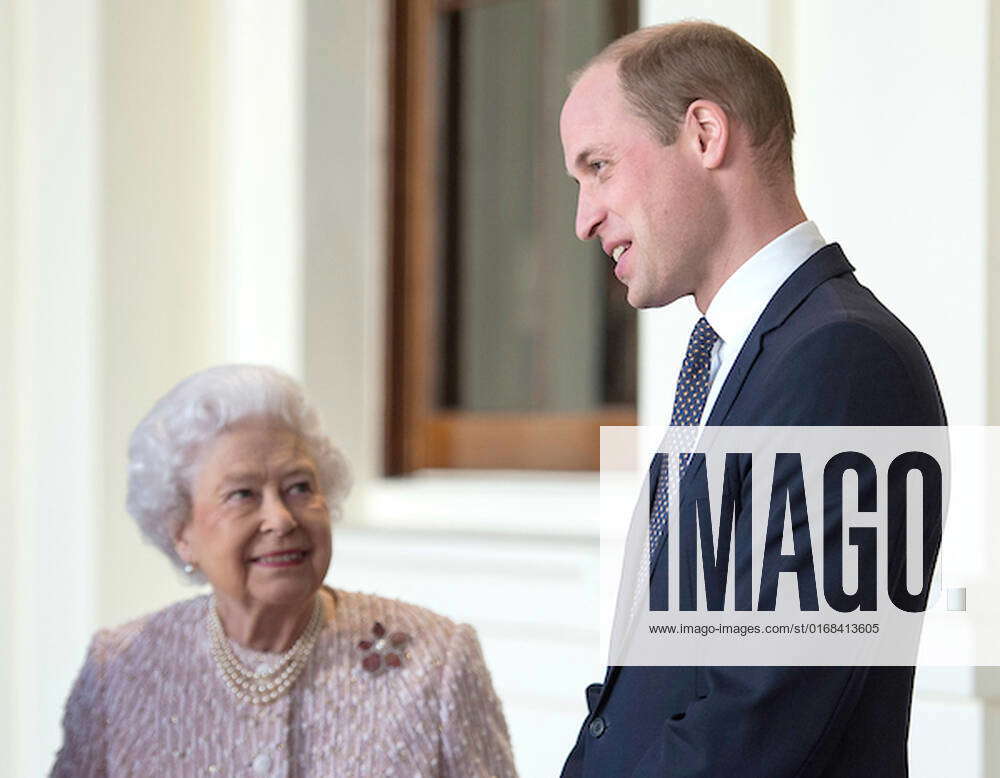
[(384, 651)]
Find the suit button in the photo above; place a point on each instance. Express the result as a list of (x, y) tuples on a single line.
[(597, 727)]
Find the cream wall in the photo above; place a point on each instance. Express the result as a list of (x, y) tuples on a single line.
[(904, 195)]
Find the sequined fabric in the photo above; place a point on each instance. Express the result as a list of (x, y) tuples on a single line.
[(149, 702)]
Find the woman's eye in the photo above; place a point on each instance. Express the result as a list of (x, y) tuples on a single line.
[(302, 487), (240, 494)]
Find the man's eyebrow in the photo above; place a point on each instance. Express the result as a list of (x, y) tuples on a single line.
[(581, 159), (580, 163)]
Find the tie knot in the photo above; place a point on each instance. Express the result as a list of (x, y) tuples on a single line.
[(703, 337)]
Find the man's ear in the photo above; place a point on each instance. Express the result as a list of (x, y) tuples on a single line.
[(708, 124)]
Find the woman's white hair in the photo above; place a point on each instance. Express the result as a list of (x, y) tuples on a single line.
[(164, 448)]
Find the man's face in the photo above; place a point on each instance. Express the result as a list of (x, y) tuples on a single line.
[(646, 202)]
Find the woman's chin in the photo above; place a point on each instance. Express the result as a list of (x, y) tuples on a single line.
[(284, 590)]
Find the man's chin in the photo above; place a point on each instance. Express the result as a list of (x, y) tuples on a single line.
[(641, 299), (635, 298)]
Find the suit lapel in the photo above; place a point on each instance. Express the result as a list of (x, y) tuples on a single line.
[(825, 264)]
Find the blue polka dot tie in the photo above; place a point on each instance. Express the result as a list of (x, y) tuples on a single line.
[(689, 401)]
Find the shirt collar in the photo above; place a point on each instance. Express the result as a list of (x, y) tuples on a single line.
[(743, 296)]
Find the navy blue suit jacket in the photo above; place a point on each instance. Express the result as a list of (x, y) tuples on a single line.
[(825, 351)]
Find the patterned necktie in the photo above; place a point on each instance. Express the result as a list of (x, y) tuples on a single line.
[(689, 401)]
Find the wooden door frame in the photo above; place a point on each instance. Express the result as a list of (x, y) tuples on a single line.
[(416, 434)]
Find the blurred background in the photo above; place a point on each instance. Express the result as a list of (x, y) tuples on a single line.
[(370, 195)]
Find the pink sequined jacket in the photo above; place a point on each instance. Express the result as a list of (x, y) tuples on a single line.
[(149, 701)]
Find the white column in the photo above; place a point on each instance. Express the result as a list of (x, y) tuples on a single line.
[(258, 146), (8, 458), (52, 209), (160, 315)]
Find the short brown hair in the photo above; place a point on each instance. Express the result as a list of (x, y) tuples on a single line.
[(665, 68)]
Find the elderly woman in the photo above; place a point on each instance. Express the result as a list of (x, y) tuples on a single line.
[(273, 674)]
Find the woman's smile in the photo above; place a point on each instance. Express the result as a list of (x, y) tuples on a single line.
[(281, 558)]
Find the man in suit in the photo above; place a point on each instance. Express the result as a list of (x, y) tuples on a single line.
[(679, 137)]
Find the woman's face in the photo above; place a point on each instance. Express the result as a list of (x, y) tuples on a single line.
[(259, 527)]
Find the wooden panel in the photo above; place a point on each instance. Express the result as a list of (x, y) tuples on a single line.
[(519, 441)]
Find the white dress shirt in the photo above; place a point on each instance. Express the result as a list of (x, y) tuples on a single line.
[(743, 297)]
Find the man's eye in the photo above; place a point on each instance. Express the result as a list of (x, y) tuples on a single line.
[(598, 165)]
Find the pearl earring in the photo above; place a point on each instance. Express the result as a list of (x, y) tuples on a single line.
[(189, 568)]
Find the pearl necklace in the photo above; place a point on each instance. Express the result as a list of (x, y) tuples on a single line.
[(261, 688)]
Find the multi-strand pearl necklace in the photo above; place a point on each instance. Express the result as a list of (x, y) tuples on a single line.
[(262, 687)]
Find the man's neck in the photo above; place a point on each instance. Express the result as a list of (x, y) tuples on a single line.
[(757, 225)]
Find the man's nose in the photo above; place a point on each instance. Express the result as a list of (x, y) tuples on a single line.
[(588, 217)]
